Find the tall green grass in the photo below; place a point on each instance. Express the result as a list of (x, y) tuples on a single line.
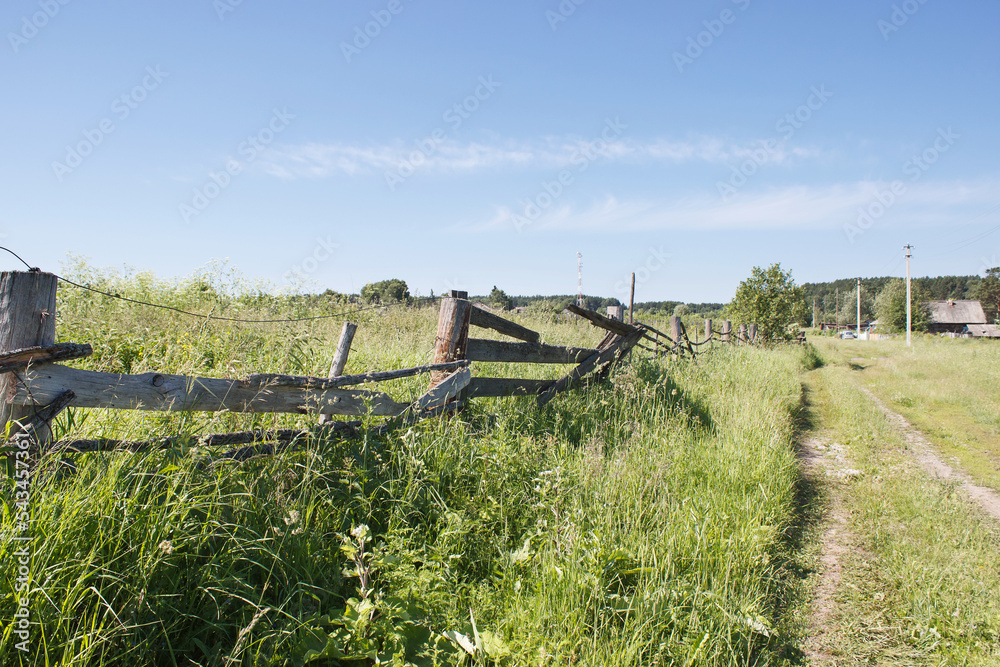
[(637, 522)]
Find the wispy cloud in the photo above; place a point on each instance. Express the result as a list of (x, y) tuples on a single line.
[(323, 160), (793, 208)]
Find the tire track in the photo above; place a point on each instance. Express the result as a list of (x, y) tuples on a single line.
[(925, 454), (820, 460)]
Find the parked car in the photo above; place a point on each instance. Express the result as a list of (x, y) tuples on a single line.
[(847, 335)]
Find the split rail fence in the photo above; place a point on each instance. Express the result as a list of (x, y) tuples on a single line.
[(35, 388)]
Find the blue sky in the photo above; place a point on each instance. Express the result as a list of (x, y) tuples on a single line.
[(458, 145)]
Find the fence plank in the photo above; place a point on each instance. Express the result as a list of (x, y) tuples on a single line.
[(445, 390), (622, 346), (336, 428), (302, 382), (12, 361), (160, 392), (615, 326), (499, 387), (487, 320), (533, 353)]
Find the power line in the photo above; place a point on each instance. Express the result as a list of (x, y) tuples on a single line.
[(957, 246)]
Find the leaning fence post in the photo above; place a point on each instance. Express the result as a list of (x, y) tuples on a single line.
[(452, 332), (340, 356), (27, 319), (343, 349)]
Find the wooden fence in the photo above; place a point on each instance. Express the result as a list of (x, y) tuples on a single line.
[(36, 388)]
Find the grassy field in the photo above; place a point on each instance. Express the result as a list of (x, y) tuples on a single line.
[(644, 521), (921, 577), (948, 388)]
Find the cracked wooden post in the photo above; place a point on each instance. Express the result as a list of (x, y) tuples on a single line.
[(452, 332), (752, 334), (27, 319), (343, 349), (340, 356), (675, 331), (742, 337), (727, 331)]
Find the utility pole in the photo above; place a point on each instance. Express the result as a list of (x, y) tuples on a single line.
[(859, 308), (631, 302), (836, 313), (814, 312), (909, 315)]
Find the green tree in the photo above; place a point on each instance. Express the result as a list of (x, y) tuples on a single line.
[(385, 291), (499, 299), (770, 299), (681, 310), (988, 293), (890, 307), (849, 306)]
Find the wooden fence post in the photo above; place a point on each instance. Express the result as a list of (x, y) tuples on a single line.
[(727, 331), (742, 337), (343, 349), (27, 319), (708, 330), (675, 329), (452, 332), (752, 333), (340, 357)]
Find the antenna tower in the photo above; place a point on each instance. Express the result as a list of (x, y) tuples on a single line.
[(579, 279)]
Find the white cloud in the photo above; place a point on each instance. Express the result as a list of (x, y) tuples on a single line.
[(793, 208), (318, 160)]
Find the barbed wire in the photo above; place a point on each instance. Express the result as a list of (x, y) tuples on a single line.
[(209, 315)]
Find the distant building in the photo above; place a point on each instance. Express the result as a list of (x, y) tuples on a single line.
[(957, 317), (984, 330), (617, 313)]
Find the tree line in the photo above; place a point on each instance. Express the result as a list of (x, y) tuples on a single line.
[(770, 298)]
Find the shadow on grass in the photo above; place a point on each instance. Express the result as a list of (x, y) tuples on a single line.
[(791, 566), (587, 409)]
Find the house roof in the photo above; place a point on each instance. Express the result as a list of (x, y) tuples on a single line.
[(957, 312), (984, 330)]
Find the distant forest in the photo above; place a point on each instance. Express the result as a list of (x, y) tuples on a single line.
[(823, 295), (939, 289)]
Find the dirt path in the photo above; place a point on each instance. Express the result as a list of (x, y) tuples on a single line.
[(822, 460), (924, 453)]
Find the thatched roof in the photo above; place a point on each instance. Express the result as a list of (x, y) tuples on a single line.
[(957, 312)]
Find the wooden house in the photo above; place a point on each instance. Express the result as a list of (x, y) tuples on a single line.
[(955, 317)]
